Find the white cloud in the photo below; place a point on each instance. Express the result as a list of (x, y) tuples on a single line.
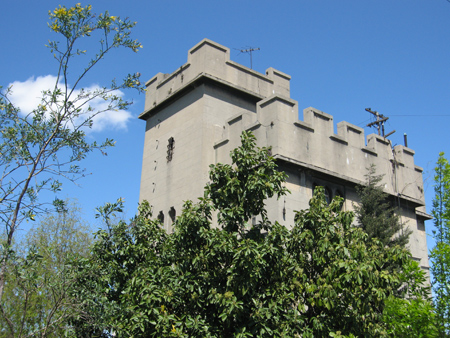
[(27, 96)]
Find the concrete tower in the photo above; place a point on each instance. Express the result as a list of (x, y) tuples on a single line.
[(195, 117)]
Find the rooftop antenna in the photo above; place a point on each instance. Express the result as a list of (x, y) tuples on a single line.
[(379, 123), (249, 50)]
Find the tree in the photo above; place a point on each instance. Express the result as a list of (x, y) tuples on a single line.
[(38, 149), (36, 300), (321, 278), (238, 192), (348, 277), (440, 254), (413, 316), (375, 214)]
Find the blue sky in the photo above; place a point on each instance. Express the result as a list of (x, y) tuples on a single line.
[(343, 56)]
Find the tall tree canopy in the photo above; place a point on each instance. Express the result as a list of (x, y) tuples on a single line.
[(320, 278), (40, 148), (440, 254), (36, 300)]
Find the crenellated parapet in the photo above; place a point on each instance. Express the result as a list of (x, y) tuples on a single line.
[(312, 143), (210, 60)]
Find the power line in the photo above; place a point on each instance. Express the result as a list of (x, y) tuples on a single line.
[(379, 123), (249, 50), (422, 115)]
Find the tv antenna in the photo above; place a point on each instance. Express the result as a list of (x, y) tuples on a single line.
[(249, 50), (379, 122)]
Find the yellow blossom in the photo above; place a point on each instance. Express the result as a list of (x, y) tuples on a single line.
[(60, 11)]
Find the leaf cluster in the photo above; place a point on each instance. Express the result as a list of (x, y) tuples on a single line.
[(238, 190), (414, 315), (39, 277)]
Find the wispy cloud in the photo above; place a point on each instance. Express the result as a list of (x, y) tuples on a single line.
[(27, 96)]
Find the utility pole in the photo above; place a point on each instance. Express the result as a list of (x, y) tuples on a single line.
[(249, 50), (379, 122)]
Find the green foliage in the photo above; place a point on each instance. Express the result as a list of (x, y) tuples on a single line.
[(375, 214), (346, 276), (42, 147), (440, 254), (39, 148), (39, 277), (321, 278), (238, 191), (413, 316)]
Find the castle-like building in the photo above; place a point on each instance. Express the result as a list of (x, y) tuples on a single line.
[(195, 117)]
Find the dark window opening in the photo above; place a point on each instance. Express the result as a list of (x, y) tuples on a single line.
[(328, 195), (172, 214), (170, 148), (161, 217), (420, 224)]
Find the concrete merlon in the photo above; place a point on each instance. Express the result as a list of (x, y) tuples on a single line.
[(282, 81), (154, 80), (380, 145), (354, 135), (404, 156), (208, 50), (168, 77), (321, 122), (276, 108), (238, 123), (151, 93)]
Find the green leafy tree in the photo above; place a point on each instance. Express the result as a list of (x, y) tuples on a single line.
[(321, 278), (38, 149), (440, 254), (347, 277), (375, 214), (410, 317), (238, 191), (36, 300), (413, 316)]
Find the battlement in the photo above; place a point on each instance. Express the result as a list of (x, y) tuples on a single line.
[(212, 60), (312, 143)]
